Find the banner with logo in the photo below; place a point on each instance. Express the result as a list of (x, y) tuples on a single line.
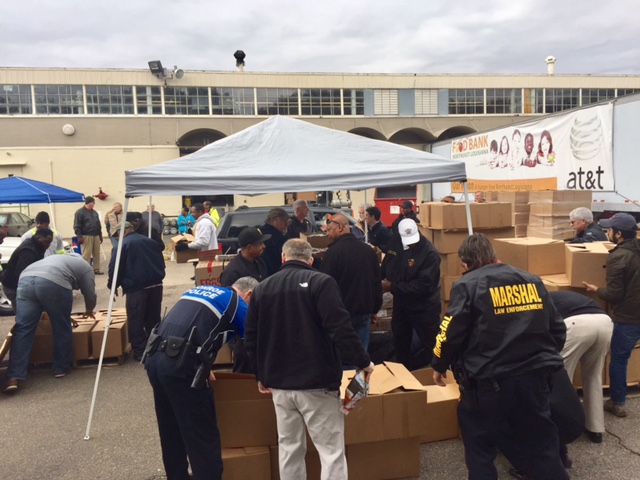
[(563, 152)]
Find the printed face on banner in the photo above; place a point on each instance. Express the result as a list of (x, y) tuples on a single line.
[(564, 152)]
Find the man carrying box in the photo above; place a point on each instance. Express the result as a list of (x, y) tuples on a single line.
[(623, 293)]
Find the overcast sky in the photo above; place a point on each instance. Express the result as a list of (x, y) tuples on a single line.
[(355, 36)]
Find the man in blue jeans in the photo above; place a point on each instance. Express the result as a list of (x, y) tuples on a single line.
[(47, 285), (623, 293)]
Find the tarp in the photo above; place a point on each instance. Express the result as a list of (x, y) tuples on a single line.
[(24, 190), (283, 154)]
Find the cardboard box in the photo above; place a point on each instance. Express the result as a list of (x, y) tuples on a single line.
[(246, 417), (453, 216), (521, 231), (539, 256), (556, 196), (42, 350), (247, 463), (450, 264), (316, 240), (560, 282), (442, 406), (399, 458), (208, 272), (224, 356), (449, 241), (557, 208), (586, 262), (446, 283), (117, 338), (185, 255), (425, 214), (513, 197), (206, 255), (546, 221), (555, 233)]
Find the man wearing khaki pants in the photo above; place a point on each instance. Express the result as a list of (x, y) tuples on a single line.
[(88, 229)]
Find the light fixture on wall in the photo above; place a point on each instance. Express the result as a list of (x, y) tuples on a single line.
[(164, 74)]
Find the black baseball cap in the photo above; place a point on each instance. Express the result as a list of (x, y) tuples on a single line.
[(407, 204), (251, 235)]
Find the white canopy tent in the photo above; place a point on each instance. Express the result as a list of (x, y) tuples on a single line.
[(283, 154)]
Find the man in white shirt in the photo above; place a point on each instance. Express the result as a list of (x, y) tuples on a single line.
[(204, 230)]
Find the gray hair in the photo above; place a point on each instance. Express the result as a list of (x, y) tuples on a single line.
[(245, 284), (476, 251), (298, 203), (296, 249), (582, 213)]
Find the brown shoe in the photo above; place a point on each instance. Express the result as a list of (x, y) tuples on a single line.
[(98, 272), (615, 409), (11, 386)]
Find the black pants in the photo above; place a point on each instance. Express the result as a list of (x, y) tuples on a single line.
[(144, 309), (403, 324), (186, 421), (514, 418)]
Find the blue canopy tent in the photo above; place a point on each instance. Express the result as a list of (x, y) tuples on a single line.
[(23, 190)]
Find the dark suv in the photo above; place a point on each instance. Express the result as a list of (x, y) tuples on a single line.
[(234, 222)]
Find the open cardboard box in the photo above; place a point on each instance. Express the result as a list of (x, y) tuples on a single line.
[(184, 255), (442, 406)]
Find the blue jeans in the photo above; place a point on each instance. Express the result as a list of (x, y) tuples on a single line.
[(362, 326), (624, 338), (35, 295)]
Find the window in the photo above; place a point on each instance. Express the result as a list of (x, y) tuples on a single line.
[(15, 100), (627, 91), (323, 101), (109, 99), (426, 102), (558, 99), (533, 100), (385, 102), (232, 101), (353, 102), (593, 95), (149, 100), (59, 99), (466, 101), (504, 100), (277, 101), (186, 101)]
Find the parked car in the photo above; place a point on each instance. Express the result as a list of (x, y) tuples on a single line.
[(15, 223), (234, 222)]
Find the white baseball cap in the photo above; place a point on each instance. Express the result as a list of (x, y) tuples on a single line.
[(408, 232)]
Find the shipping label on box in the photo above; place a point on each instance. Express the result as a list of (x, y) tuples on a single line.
[(208, 273), (586, 262), (539, 256)]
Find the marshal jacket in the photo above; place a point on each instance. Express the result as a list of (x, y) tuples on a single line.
[(500, 322)]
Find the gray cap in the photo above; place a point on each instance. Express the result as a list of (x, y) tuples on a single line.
[(116, 230), (277, 213)]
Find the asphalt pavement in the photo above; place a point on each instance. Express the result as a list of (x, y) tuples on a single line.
[(45, 422)]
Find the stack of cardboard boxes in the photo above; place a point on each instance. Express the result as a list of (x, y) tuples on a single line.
[(382, 434), (520, 202), (549, 212), (445, 225)]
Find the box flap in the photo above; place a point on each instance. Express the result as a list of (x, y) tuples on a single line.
[(186, 236), (409, 382)]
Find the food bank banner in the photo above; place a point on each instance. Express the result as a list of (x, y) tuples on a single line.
[(563, 152)]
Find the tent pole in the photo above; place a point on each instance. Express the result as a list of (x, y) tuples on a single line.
[(467, 207), (110, 309), (366, 228), (53, 220), (150, 217)]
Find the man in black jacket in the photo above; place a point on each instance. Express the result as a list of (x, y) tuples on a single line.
[(502, 338), (297, 332), (88, 229), (28, 252), (411, 272), (276, 226), (406, 211), (140, 275), (248, 263), (354, 265), (379, 234), (581, 220)]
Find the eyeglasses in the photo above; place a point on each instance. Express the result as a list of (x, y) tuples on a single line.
[(573, 222), (338, 223)]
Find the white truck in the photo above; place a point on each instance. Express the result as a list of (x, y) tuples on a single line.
[(588, 148)]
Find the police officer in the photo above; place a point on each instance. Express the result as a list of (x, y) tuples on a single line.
[(202, 320), (502, 336)]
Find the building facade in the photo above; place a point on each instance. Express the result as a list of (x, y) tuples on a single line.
[(82, 128)]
